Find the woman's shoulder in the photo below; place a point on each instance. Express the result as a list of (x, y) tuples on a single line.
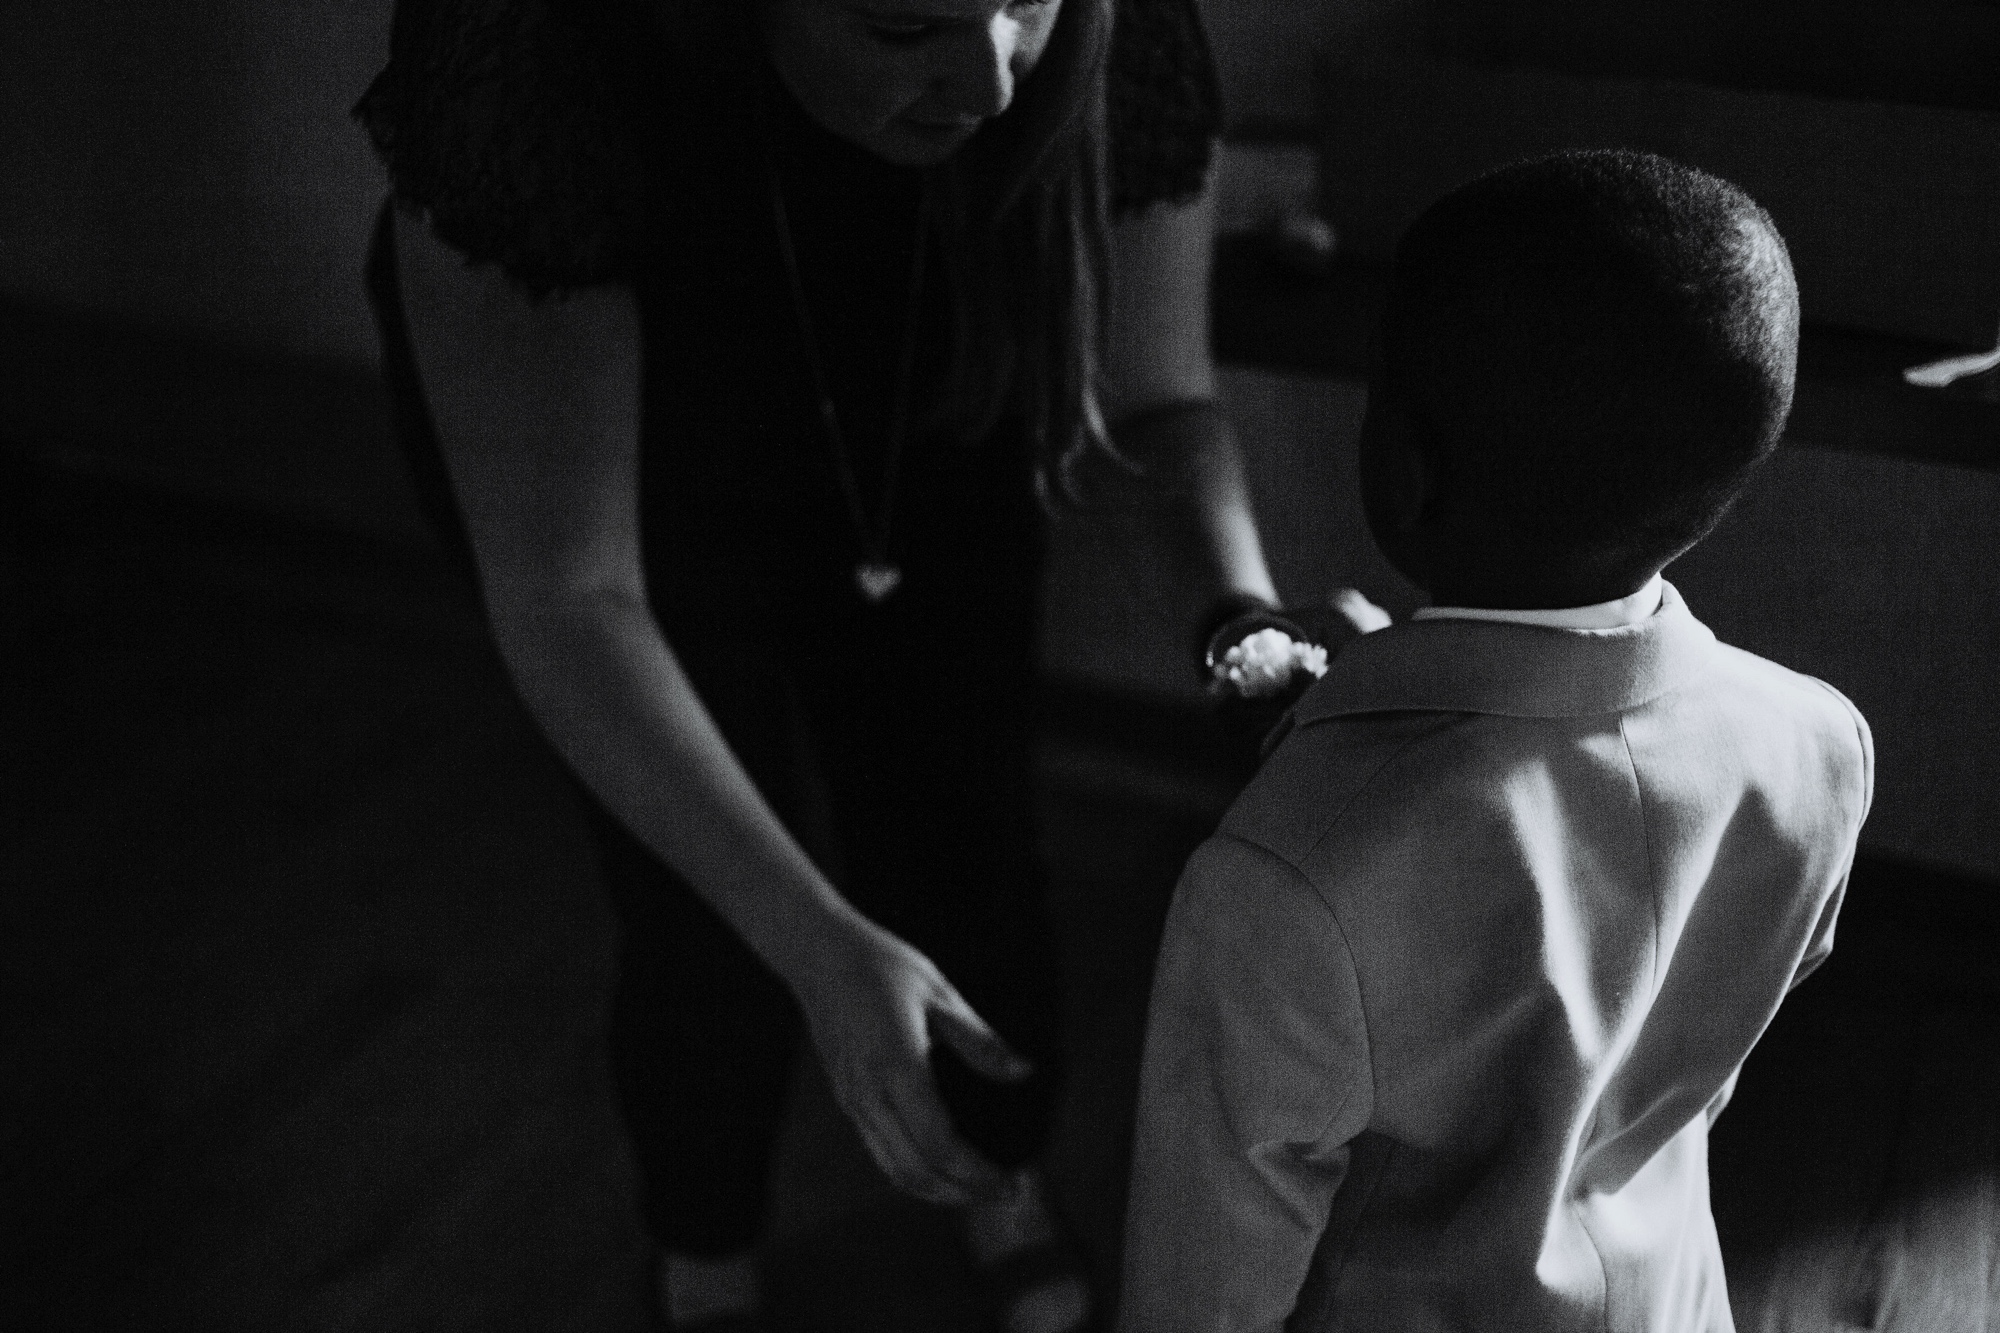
[(517, 128), (1164, 102), (525, 131)]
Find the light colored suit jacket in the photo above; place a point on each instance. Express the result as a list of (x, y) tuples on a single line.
[(1445, 1009)]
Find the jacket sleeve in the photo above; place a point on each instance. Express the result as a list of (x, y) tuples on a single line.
[(1256, 1076), (1851, 778)]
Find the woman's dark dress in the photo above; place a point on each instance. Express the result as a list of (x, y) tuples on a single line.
[(895, 739)]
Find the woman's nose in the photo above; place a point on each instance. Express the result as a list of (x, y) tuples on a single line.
[(980, 81)]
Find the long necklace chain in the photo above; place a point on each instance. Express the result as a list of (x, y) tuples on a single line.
[(875, 575)]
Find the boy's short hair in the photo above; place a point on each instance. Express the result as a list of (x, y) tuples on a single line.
[(1598, 347)]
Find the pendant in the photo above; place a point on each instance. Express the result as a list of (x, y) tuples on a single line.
[(877, 579)]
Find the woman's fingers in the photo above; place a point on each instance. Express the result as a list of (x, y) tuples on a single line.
[(909, 1134), (1362, 615), (874, 1020), (953, 1022), (927, 1125), (899, 1160)]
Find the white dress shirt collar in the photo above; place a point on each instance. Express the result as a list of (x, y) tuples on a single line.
[(1602, 615)]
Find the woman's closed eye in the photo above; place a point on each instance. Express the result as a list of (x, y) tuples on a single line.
[(909, 30), (895, 32)]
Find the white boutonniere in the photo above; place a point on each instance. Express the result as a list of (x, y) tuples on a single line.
[(1265, 664)]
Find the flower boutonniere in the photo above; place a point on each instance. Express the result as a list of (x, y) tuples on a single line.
[(1265, 663), (1257, 660)]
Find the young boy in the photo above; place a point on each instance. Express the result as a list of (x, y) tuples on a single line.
[(1445, 1009)]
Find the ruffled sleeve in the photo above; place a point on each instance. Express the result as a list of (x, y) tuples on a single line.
[(1164, 103), (510, 125), (519, 128)]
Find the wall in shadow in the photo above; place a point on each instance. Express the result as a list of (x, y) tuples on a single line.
[(192, 166)]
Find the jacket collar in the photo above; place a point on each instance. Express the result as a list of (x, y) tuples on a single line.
[(1513, 670)]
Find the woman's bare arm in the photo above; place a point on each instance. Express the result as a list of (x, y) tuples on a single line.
[(536, 407), (537, 411), (1193, 515)]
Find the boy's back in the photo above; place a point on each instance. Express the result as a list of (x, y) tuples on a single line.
[(1444, 1012), (1445, 1009)]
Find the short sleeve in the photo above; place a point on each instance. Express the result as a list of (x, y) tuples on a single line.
[(1164, 103), (512, 126)]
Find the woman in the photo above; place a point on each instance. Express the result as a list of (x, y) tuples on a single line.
[(781, 329)]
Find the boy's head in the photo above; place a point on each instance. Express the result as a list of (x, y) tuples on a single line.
[(1582, 359)]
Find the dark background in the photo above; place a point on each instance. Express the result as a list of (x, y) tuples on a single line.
[(301, 964)]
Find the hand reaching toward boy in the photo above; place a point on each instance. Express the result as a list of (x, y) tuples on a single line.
[(1258, 662)]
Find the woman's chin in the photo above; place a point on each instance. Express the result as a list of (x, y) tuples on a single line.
[(903, 139), (909, 143)]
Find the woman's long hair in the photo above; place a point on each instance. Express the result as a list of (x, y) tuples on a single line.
[(1023, 236), (1021, 229)]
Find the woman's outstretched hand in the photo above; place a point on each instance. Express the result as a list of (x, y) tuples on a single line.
[(874, 1005), (1251, 690)]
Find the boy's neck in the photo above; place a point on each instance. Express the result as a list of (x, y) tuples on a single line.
[(1493, 590)]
